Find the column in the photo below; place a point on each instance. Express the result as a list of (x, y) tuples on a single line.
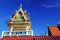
[(11, 30)]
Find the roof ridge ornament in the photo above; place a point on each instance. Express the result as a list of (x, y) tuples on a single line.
[(20, 5)]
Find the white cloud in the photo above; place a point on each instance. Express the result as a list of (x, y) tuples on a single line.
[(50, 6)]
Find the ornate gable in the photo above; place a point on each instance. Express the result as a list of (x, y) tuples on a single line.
[(20, 15)]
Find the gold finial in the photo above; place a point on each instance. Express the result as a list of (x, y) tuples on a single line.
[(21, 5)]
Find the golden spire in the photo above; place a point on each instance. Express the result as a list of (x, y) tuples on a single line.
[(20, 5)]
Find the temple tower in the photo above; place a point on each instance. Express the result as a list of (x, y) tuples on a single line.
[(19, 24)]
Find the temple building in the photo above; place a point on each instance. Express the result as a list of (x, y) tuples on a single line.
[(19, 24), (20, 29)]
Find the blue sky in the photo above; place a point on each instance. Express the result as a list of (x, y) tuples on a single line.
[(42, 12)]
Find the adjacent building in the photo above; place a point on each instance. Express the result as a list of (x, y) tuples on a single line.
[(54, 30)]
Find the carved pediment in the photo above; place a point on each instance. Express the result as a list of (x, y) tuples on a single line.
[(20, 16)]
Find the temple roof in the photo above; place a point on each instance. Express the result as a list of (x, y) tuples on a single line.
[(54, 30), (20, 15)]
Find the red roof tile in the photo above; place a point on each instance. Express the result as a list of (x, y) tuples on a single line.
[(54, 30)]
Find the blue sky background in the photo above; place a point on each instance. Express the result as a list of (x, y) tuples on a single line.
[(42, 12)]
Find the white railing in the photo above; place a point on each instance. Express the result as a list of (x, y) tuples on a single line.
[(17, 33)]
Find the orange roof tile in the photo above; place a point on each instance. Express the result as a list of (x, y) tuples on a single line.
[(54, 30)]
